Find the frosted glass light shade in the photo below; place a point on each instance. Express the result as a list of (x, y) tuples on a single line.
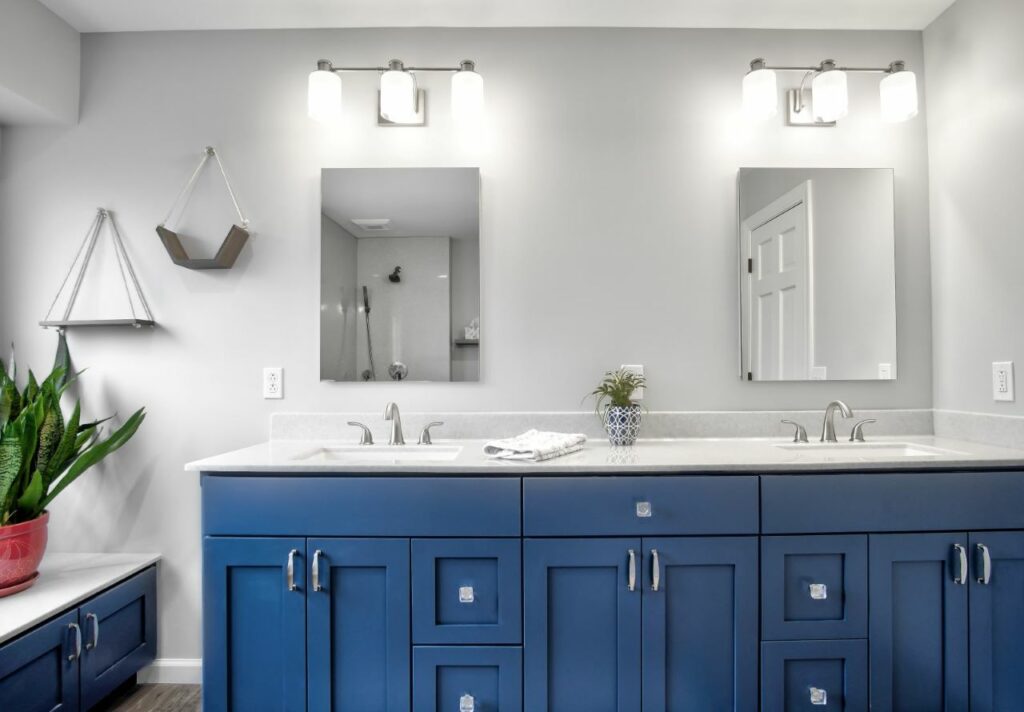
[(899, 97), (760, 94), (398, 95), (831, 98), (324, 96), (467, 97)]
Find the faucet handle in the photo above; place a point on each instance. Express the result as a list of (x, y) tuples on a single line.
[(425, 435), (799, 432), (857, 434), (366, 438)]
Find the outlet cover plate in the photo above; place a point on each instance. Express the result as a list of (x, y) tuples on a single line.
[(1002, 381), (273, 382), (638, 394)]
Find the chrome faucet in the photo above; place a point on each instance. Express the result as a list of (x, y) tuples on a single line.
[(391, 413), (828, 428)]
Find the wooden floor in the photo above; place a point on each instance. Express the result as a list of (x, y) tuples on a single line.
[(156, 698)]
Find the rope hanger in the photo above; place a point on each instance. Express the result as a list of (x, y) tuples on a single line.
[(236, 237)]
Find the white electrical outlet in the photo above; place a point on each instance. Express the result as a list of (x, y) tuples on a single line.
[(273, 382), (1002, 381), (885, 371), (638, 394)]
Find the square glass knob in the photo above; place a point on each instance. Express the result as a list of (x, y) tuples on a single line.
[(644, 510), (466, 594), (818, 696), (819, 591), (467, 703)]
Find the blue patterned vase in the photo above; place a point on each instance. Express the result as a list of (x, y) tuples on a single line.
[(622, 424)]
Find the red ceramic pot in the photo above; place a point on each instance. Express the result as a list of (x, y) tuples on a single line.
[(21, 550)]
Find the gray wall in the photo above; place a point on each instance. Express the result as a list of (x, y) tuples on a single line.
[(608, 236), (976, 144)]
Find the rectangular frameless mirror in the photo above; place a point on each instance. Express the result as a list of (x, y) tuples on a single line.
[(400, 274), (817, 274)]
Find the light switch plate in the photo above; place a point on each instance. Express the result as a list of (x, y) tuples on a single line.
[(1002, 381), (638, 394), (273, 382)]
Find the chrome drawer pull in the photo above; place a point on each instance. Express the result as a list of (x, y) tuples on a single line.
[(819, 591), (986, 565), (655, 570), (644, 510), (95, 631), (316, 570), (818, 696), (467, 703), (631, 583), (961, 574), (291, 569), (466, 594), (77, 652)]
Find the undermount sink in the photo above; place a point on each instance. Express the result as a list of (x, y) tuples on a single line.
[(384, 454), (867, 451)]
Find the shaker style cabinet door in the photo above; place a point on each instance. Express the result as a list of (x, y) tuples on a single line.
[(582, 625), (254, 624), (997, 621), (36, 674), (358, 625), (700, 636), (917, 624)]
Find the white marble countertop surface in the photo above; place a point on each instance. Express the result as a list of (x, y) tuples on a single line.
[(679, 455), (66, 580)]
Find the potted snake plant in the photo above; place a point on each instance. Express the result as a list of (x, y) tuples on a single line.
[(41, 453), (620, 414)]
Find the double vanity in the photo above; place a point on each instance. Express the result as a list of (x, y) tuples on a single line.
[(730, 574)]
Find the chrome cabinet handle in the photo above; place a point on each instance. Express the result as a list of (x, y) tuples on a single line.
[(818, 696), (425, 434), (77, 653), (291, 570), (644, 510), (818, 591), (316, 570), (961, 574), (467, 703), (655, 570), (799, 431), (95, 631), (631, 584), (466, 594), (986, 565)]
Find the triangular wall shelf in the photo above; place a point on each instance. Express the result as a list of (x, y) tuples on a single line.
[(72, 284)]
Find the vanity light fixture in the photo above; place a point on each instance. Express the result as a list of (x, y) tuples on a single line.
[(829, 98), (402, 103)]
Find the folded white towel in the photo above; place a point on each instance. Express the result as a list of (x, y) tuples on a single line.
[(535, 445)]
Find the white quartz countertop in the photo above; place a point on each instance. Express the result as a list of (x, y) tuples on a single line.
[(66, 580), (682, 455)]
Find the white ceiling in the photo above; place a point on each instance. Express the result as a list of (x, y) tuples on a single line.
[(134, 15), (420, 202)]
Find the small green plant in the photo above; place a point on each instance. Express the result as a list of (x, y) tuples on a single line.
[(41, 453), (617, 389)]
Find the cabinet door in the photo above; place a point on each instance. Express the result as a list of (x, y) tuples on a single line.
[(918, 622), (119, 627), (254, 624), (35, 672), (700, 634), (582, 625), (997, 621), (358, 625)]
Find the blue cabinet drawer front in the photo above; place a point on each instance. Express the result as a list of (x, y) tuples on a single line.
[(467, 591), (618, 506), (360, 506), (35, 673), (903, 502), (474, 679), (814, 676), (814, 587)]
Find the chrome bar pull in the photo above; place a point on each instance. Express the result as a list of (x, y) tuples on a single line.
[(961, 574), (818, 696), (291, 570), (95, 631), (655, 570), (77, 652), (986, 565), (316, 570), (631, 583)]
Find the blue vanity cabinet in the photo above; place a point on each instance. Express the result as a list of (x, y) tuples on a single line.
[(358, 621), (39, 671)]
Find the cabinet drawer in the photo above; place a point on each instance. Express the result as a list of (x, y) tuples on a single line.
[(640, 506), (466, 591), (814, 587), (360, 506), (811, 675), (467, 679)]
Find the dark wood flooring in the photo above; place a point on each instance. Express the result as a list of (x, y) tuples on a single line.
[(156, 698)]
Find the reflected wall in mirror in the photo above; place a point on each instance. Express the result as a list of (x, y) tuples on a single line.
[(817, 274), (400, 274)]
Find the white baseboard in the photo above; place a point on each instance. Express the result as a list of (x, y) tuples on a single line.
[(173, 671)]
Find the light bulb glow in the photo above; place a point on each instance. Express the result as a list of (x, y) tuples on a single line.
[(324, 96), (899, 97), (760, 94), (831, 97), (467, 97), (398, 96)]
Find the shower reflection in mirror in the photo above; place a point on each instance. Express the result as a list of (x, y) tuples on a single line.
[(399, 274), (817, 274)]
